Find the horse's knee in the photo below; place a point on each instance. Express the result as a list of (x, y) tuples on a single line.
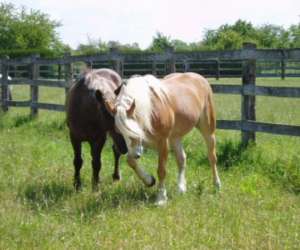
[(131, 162)]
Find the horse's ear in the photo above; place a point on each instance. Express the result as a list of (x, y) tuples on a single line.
[(118, 90), (99, 96), (131, 109)]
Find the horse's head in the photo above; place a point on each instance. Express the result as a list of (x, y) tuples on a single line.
[(123, 109), (101, 84)]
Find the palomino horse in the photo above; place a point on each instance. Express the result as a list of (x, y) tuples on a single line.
[(160, 113), (88, 120)]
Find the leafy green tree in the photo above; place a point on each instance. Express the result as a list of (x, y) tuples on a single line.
[(272, 36), (265, 36), (22, 29), (160, 42), (229, 40), (243, 28), (93, 46), (180, 45), (230, 36), (294, 36)]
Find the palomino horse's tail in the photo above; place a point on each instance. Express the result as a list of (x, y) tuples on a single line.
[(211, 112)]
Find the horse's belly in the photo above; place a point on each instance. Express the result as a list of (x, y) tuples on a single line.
[(183, 124), (87, 131)]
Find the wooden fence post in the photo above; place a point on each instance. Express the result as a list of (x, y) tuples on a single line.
[(248, 102), (68, 73), (59, 71), (154, 68), (116, 61), (283, 64), (186, 66), (171, 63), (34, 88), (283, 69), (217, 69), (4, 86)]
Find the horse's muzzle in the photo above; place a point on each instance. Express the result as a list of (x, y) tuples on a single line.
[(137, 156)]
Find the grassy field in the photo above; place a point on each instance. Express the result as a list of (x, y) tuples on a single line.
[(258, 207)]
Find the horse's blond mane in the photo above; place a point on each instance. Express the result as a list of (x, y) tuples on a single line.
[(141, 89)]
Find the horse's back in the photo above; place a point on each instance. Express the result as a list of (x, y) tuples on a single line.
[(187, 90), (189, 95)]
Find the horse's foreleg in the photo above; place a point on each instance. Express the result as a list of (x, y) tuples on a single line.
[(119, 142), (181, 163), (96, 148), (148, 180), (119, 147), (161, 171), (116, 175), (77, 161)]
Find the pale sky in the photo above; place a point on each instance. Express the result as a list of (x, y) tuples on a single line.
[(138, 20)]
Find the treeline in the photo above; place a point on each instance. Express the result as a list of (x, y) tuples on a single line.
[(24, 32), (226, 37)]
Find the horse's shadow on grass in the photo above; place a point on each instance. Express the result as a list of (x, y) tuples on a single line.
[(44, 195), (16, 122), (21, 120), (114, 199)]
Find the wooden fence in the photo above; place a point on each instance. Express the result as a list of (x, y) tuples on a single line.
[(162, 64)]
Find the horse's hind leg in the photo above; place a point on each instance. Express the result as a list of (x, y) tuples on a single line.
[(96, 149), (116, 175), (207, 130), (181, 163), (77, 161)]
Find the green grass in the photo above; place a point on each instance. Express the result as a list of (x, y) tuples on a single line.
[(258, 207)]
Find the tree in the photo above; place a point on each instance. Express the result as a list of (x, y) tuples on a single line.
[(272, 36), (180, 45), (294, 36), (230, 36), (160, 42), (22, 29), (229, 40), (265, 36), (93, 46)]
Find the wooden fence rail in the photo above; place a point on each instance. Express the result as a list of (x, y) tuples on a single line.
[(168, 63)]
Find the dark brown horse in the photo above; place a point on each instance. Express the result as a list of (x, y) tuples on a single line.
[(88, 120)]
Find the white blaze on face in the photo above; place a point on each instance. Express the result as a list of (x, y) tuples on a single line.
[(135, 147)]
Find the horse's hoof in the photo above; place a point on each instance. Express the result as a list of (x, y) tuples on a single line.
[(116, 177), (218, 185), (182, 189), (152, 182), (77, 187), (162, 198), (161, 203), (95, 188)]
